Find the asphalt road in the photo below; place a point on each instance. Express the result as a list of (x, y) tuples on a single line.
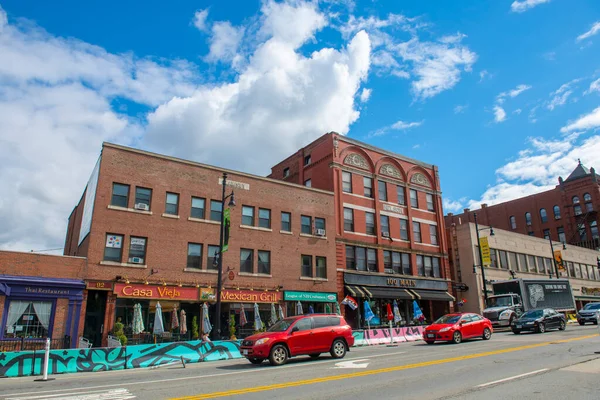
[(554, 365)]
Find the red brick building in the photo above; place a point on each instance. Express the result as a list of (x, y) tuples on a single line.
[(568, 213), (149, 227), (389, 224)]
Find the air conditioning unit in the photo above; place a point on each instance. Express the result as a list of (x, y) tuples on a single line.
[(136, 260), (385, 234), (142, 206), (320, 232)]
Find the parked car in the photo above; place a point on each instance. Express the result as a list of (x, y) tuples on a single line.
[(539, 321), (457, 327), (589, 313), (301, 335)]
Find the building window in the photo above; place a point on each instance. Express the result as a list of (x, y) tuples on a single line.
[(556, 212), (428, 267), (346, 182), (307, 159), (264, 262), (361, 258), (142, 198), (308, 183), (120, 195), (414, 199), (397, 262), (348, 219), (306, 225), (286, 221), (212, 259), (561, 234), (198, 207), (420, 269), (286, 172), (531, 263), (587, 198), (194, 256), (576, 206), (385, 225), (513, 222), (594, 230), (433, 234), (264, 218), (582, 232), (403, 229), (382, 189), (372, 260), (504, 259), (248, 215), (307, 266), (546, 233), (370, 223), (113, 248), (401, 195), (512, 259), (216, 210), (368, 184), (543, 215), (172, 204), (575, 200), (350, 259), (417, 232), (387, 262), (321, 267), (406, 269), (28, 319), (137, 250), (247, 260), (528, 218), (436, 267), (430, 205), (522, 262)]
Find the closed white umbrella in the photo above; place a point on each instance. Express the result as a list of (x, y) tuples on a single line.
[(257, 321), (159, 327), (138, 323), (299, 310), (174, 319), (206, 325), (183, 327), (273, 314), (281, 316)]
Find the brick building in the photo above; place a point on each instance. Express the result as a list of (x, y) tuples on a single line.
[(149, 227), (568, 213), (389, 224)]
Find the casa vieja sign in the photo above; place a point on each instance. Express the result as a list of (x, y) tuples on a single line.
[(155, 292)]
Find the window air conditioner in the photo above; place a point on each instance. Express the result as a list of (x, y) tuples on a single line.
[(320, 232), (142, 206), (136, 260), (385, 234)]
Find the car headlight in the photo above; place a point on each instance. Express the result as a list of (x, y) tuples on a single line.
[(530, 323), (505, 315), (446, 329), (261, 341)]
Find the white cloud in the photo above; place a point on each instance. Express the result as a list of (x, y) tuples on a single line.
[(452, 205), (200, 20), (499, 114), (561, 95), (365, 95), (484, 75), (416, 146), (594, 87), (224, 42), (459, 109), (593, 30), (518, 111), (524, 5), (513, 93), (3, 19), (584, 123), (397, 126)]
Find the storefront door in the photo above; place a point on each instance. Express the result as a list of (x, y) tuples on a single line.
[(94, 317)]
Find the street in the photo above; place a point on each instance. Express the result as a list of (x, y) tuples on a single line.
[(554, 365)]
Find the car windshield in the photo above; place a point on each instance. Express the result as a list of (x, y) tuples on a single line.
[(282, 325), (592, 306), (448, 319), (533, 314), (505, 301)]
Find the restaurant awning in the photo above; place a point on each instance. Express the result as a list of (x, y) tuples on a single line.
[(389, 293), (436, 295)]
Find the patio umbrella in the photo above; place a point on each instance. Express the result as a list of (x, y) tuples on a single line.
[(311, 310), (389, 314), (206, 326), (397, 316), (243, 316), (138, 323), (327, 308), (257, 321), (337, 309), (281, 316), (299, 310), (417, 313), (273, 314), (368, 313), (159, 328), (174, 319), (183, 326)]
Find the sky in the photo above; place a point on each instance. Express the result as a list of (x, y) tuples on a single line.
[(502, 95)]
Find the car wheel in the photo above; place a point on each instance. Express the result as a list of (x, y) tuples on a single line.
[(278, 355), (562, 326), (338, 349), (516, 331), (581, 323), (429, 342), (314, 356), (541, 328), (595, 322), (487, 334), (456, 337), (256, 360)]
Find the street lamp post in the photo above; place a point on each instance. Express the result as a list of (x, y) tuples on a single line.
[(485, 297)]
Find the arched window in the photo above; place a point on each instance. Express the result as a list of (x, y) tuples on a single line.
[(543, 215), (588, 202), (556, 212), (575, 199), (528, 218), (513, 222), (587, 197), (576, 206)]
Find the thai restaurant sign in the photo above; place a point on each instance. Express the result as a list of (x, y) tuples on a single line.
[(155, 292)]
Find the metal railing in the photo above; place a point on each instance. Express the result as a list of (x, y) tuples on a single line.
[(28, 344)]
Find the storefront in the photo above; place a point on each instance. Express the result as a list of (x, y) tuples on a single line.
[(231, 304), (379, 290), (318, 302), (586, 295), (36, 308)]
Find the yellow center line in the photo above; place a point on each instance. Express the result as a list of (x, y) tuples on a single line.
[(375, 371)]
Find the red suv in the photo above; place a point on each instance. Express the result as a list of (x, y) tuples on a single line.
[(302, 335)]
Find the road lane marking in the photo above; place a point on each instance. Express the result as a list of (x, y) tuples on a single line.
[(539, 371), (374, 372), (351, 364), (114, 394)]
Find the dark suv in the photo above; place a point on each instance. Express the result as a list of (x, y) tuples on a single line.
[(301, 335), (589, 313)]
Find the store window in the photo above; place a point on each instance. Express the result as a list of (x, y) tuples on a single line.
[(120, 195), (543, 215), (348, 219), (113, 248), (321, 267), (368, 185), (194, 256), (248, 215), (212, 257), (346, 182), (264, 218), (172, 204), (382, 190), (306, 225), (198, 208), (264, 262), (417, 232), (370, 223), (401, 195), (286, 221), (556, 211), (28, 319), (137, 250), (430, 204), (306, 266), (403, 229), (247, 261), (216, 210)]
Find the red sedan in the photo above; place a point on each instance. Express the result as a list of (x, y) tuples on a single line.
[(457, 327)]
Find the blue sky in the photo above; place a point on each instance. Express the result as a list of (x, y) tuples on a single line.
[(502, 95)]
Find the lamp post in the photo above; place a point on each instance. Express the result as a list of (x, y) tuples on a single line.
[(217, 330), (485, 297), (553, 259)]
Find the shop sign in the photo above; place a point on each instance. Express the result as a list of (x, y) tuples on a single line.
[(99, 285), (207, 294), (51, 291), (235, 184), (485, 251), (394, 209), (397, 282), (155, 292), (390, 281), (590, 291), (250, 296), (310, 296)]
